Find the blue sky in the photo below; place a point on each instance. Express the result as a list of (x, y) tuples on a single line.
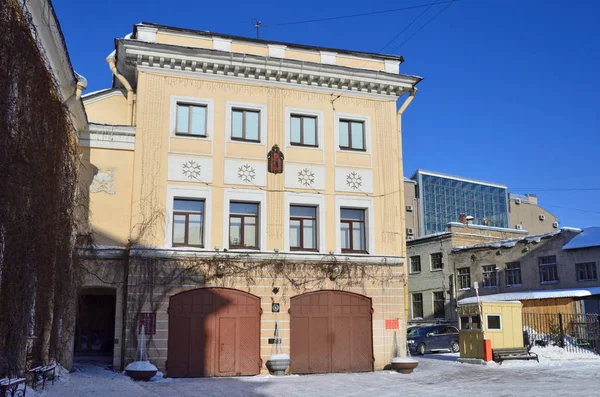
[(511, 89)]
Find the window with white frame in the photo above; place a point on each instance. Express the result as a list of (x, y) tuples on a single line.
[(417, 306), (191, 120), (439, 304), (437, 261), (494, 322), (243, 225), (464, 278), (415, 264)]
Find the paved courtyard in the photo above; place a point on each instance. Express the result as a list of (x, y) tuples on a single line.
[(438, 374)]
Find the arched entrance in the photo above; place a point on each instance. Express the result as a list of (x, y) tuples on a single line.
[(213, 332), (331, 331)]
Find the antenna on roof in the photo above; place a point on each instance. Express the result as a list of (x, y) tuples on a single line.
[(257, 24)]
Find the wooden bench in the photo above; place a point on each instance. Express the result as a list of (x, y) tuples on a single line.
[(10, 387), (515, 353), (39, 375)]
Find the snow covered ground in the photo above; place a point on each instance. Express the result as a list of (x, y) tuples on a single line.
[(437, 375)]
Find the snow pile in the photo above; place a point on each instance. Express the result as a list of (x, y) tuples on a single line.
[(527, 295), (280, 356), (508, 243), (556, 353), (403, 360), (590, 237), (141, 366)]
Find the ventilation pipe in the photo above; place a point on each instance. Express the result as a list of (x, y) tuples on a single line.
[(113, 68), (81, 85)]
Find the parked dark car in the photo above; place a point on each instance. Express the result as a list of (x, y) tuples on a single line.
[(435, 337)]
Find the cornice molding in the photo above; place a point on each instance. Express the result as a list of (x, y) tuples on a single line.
[(288, 72), (107, 136)]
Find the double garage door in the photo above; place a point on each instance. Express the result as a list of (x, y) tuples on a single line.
[(216, 332)]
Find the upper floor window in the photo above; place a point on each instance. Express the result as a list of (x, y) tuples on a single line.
[(548, 269), (352, 135), (415, 264), (436, 261), (243, 225), (245, 125), (303, 130), (464, 278), (188, 222), (586, 271), (417, 304), (303, 228), (191, 120), (512, 272), (489, 278), (352, 225)]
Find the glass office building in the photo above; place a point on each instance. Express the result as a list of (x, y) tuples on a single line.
[(443, 198)]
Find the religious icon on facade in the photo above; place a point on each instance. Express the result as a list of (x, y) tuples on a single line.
[(275, 160)]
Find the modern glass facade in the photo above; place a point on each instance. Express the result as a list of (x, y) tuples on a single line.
[(444, 198)]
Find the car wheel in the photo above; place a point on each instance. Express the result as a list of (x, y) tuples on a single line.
[(421, 348), (455, 347)]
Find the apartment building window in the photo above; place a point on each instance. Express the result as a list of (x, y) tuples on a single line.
[(512, 271), (436, 261), (188, 222), (352, 135), (191, 120), (303, 130), (439, 304), (303, 228), (243, 225), (548, 269), (489, 276), (586, 271), (417, 305), (415, 264), (245, 125), (352, 225), (464, 278)]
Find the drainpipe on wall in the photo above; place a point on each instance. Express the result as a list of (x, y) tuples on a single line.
[(407, 102), (113, 68)]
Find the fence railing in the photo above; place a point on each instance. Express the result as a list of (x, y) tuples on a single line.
[(572, 332)]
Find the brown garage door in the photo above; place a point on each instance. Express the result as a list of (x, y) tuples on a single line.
[(213, 332), (331, 331)]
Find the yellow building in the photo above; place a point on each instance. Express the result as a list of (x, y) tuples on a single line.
[(239, 185)]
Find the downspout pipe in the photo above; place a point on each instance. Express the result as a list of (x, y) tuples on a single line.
[(407, 102), (111, 60)]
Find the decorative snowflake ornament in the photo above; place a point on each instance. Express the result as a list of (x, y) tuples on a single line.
[(306, 177), (246, 173), (353, 180), (191, 169)]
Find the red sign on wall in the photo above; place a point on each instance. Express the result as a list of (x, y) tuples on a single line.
[(392, 324)]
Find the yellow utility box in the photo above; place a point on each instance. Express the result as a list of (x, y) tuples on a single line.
[(502, 325)]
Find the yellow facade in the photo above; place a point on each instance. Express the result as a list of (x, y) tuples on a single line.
[(134, 181)]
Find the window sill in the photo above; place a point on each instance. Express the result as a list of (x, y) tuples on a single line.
[(549, 282), (435, 270), (238, 140), (464, 289), (189, 136), (490, 287), (411, 273), (355, 252), (300, 146), (347, 149), (514, 285), (587, 281), (292, 249)]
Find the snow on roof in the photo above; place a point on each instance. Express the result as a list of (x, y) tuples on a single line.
[(589, 237), (508, 243), (527, 295), (428, 236)]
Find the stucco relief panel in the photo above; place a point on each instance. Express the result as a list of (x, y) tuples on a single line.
[(190, 169), (353, 180), (104, 181), (304, 176), (242, 172)]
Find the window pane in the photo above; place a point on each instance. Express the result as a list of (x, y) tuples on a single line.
[(243, 208), (464, 322), (188, 205), (179, 229), (345, 229), (198, 120), (250, 232), (358, 215), (295, 130), (343, 134), (476, 322), (309, 234), (235, 231), (310, 131), (182, 118), (195, 229), (252, 125), (236, 124), (357, 136), (493, 322), (294, 233), (358, 233), (302, 211)]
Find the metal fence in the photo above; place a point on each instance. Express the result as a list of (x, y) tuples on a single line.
[(572, 332)]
